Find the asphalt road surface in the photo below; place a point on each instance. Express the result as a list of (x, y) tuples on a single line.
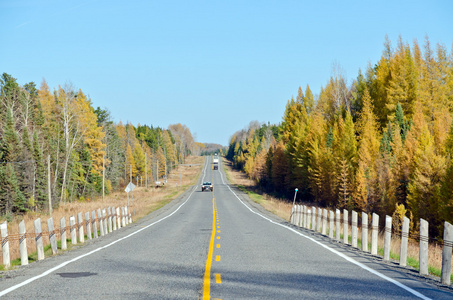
[(216, 245)]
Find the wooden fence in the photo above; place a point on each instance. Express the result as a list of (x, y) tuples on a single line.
[(317, 219), (101, 222)]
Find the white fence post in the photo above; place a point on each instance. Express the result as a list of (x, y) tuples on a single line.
[(118, 217), (354, 230), (305, 216), (38, 239), (291, 218), (23, 244), (72, 223), (387, 237), (331, 222), (446, 254), (364, 232), (318, 221), (297, 217), (324, 221), (338, 224), (114, 218), (404, 241), (423, 253), (374, 234), (94, 224), (109, 214), (64, 244), (5, 245), (101, 223), (123, 217), (88, 225), (313, 219), (345, 226), (80, 226), (52, 237), (308, 218), (104, 220)]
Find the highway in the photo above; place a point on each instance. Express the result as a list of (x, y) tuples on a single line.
[(214, 245)]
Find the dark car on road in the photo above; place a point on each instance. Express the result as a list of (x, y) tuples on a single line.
[(207, 186)]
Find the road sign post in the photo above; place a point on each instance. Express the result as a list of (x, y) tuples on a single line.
[(129, 188)]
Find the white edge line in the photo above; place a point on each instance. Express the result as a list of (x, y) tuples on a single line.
[(395, 282), (30, 280)]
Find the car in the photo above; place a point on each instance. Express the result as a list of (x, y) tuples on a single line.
[(207, 186)]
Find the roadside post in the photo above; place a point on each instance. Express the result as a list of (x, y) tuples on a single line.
[(294, 201), (129, 188)]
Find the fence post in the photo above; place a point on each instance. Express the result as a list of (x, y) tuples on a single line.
[(64, 244), (101, 222), (109, 214), (318, 222), (94, 225), (123, 217), (23, 244), (324, 221), (296, 216), (291, 218), (313, 219), (88, 225), (305, 216), (404, 241), (364, 232), (114, 218), (374, 234), (72, 223), (338, 224), (308, 218), (345, 226), (38, 239), (387, 237), (128, 216), (80, 225), (104, 220), (331, 222), (118, 217), (5, 245), (354, 230), (423, 253), (446, 254), (52, 238)]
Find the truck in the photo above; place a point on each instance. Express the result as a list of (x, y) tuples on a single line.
[(215, 162)]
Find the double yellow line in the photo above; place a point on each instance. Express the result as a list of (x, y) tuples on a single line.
[(207, 272)]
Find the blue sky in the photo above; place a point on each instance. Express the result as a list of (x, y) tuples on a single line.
[(211, 65)]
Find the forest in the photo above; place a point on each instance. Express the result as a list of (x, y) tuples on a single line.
[(57, 139), (382, 143)]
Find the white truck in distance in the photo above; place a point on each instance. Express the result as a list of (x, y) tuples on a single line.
[(215, 161)]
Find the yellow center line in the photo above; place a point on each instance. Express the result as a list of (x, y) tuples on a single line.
[(217, 258), (218, 245), (217, 278), (207, 272)]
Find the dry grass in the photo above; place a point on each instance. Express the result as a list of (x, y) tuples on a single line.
[(146, 200), (282, 208), (277, 206)]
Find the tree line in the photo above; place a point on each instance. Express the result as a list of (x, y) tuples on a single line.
[(61, 131), (383, 142)]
